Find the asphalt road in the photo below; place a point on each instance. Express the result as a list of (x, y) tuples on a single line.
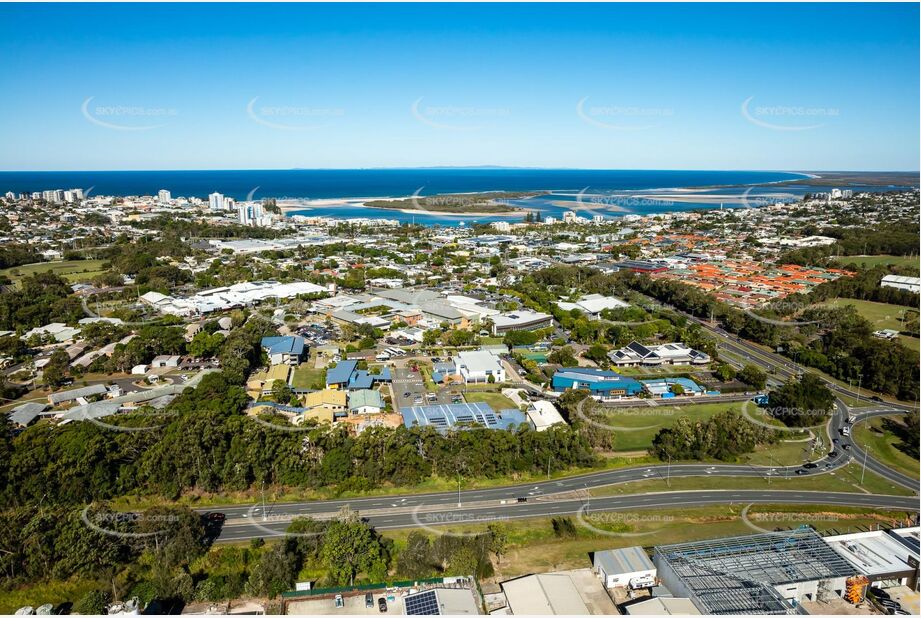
[(781, 364), (277, 523), (571, 495), (860, 456)]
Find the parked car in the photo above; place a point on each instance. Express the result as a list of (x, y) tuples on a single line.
[(369, 600), (382, 605), (339, 602)]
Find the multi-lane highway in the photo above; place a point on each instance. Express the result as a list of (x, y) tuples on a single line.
[(276, 523), (570, 495)]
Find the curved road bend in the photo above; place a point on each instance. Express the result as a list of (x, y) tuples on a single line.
[(277, 525), (585, 482), (860, 455)]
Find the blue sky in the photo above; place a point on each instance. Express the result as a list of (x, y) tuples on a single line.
[(215, 86)]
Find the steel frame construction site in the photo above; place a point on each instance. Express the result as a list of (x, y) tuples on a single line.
[(738, 575)]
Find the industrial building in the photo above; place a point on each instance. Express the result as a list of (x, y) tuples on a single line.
[(662, 606), (544, 594), (441, 602), (890, 556), (627, 567), (767, 573)]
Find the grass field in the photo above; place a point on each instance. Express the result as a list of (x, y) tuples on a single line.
[(846, 479), (881, 316), (661, 371), (883, 445), (73, 270), (497, 401), (642, 423), (782, 453), (869, 261), (307, 376), (533, 547), (56, 593)]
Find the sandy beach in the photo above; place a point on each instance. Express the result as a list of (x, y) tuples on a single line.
[(361, 202)]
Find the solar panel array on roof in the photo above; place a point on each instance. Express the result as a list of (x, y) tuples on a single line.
[(448, 416), (422, 604)]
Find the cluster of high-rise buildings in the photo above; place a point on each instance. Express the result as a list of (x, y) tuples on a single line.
[(249, 213), (56, 196)]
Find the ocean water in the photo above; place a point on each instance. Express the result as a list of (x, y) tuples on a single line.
[(610, 193)]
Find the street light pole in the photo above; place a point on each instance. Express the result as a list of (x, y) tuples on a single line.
[(864, 471), (263, 501)]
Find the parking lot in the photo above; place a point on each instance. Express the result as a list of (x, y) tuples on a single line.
[(409, 390), (352, 605)]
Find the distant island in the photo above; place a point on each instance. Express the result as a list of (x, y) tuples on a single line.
[(458, 203)]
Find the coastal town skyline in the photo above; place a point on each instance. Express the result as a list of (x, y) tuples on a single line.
[(460, 309)]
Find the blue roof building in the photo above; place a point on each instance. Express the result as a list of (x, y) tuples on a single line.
[(601, 383), (462, 415), (346, 374), (663, 387), (284, 350)]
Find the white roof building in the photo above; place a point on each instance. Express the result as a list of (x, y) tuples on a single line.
[(479, 365), (521, 319), (880, 554), (237, 295), (544, 594), (60, 331), (910, 284), (593, 304), (543, 415)]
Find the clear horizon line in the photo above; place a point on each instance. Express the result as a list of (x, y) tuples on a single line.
[(466, 167)]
